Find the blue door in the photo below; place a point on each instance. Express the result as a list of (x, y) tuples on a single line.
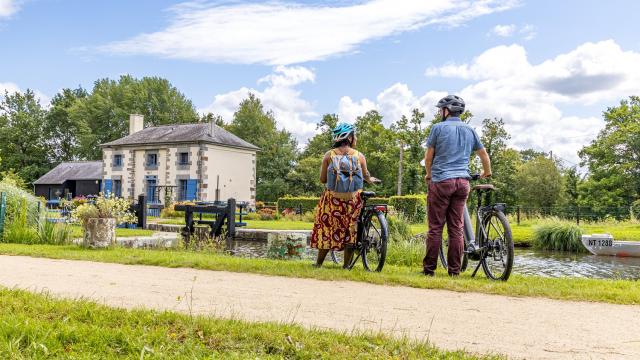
[(108, 187), (152, 194)]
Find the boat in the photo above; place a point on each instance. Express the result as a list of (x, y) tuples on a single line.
[(604, 244)]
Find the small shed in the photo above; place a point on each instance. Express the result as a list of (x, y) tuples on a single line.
[(78, 178)]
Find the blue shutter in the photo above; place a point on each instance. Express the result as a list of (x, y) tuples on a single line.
[(192, 188), (108, 186)]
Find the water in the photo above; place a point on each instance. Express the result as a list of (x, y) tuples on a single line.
[(526, 262)]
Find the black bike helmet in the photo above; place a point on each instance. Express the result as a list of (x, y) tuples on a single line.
[(454, 103)]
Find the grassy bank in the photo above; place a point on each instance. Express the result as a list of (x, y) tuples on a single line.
[(39, 326), (610, 291), (76, 232)]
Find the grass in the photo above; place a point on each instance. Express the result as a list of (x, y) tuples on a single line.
[(554, 234), (37, 326), (609, 291)]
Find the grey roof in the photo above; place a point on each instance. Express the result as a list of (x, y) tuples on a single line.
[(78, 170), (183, 133)]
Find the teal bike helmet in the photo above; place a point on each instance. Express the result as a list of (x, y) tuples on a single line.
[(342, 131)]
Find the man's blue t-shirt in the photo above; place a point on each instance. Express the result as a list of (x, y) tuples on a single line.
[(454, 141)]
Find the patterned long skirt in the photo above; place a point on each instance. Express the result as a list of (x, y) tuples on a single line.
[(336, 222)]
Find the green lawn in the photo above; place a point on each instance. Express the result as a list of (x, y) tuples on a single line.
[(611, 291), (38, 326)]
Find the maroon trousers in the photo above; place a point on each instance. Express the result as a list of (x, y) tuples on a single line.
[(446, 201)]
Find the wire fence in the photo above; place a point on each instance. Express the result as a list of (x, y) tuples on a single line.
[(576, 213)]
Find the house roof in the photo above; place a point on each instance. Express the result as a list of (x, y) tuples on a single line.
[(78, 170), (181, 133)]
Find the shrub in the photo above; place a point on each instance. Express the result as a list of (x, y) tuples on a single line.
[(399, 229), (267, 214), (556, 234), (406, 253), (104, 207), (251, 216), (634, 210), (378, 200), (413, 207), (18, 233), (307, 203), (21, 203), (53, 234)]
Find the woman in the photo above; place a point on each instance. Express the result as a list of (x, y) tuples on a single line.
[(343, 171)]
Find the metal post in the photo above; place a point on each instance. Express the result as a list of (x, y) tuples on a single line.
[(231, 222), (3, 211), (142, 211), (578, 216), (518, 215)]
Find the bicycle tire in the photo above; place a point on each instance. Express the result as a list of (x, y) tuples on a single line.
[(505, 246), (337, 256), (375, 241), (443, 255)]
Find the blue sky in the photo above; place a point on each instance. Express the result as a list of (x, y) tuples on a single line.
[(547, 67)]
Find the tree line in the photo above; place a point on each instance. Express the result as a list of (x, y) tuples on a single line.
[(35, 137)]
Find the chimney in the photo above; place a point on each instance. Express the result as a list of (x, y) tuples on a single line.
[(136, 123)]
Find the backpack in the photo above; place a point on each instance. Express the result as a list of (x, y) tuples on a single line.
[(344, 174)]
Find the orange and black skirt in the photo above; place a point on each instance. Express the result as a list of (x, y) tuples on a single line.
[(335, 224)]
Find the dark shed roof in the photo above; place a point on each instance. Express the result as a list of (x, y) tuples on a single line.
[(202, 132), (80, 170)]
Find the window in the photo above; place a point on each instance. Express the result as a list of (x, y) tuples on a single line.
[(117, 188), (117, 160), (182, 190), (183, 158), (152, 160)]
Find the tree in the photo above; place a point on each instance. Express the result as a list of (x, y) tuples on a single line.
[(411, 135), (322, 141), (61, 132), (571, 182), (539, 183), (504, 161), (378, 144), (278, 148), (613, 158), (214, 118), (103, 115), (21, 135), (304, 179), (530, 154)]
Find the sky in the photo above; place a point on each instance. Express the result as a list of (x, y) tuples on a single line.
[(547, 68)]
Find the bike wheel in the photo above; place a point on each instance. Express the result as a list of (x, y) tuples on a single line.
[(498, 260), (375, 238), (444, 250)]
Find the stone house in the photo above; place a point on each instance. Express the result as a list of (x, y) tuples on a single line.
[(79, 178), (185, 162)]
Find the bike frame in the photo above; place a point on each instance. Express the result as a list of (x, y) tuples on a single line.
[(367, 212)]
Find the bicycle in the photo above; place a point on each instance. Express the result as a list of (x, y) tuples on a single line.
[(372, 237), (492, 243)]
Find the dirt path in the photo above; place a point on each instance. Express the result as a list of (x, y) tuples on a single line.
[(519, 327)]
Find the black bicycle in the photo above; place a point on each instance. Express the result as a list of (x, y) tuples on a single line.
[(372, 238), (492, 244)]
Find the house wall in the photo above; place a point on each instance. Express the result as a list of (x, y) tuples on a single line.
[(235, 167), (87, 187)]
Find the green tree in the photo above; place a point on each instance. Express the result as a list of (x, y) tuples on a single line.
[(22, 146), (61, 132), (304, 179), (411, 135), (539, 183), (504, 161), (103, 115), (320, 143), (530, 154), (278, 148), (378, 144), (571, 182), (613, 158)]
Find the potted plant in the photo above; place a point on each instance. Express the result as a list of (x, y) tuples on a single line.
[(99, 219)]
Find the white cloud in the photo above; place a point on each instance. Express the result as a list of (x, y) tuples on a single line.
[(279, 33), (280, 95), (11, 88), (527, 32), (8, 8), (530, 97), (504, 30)]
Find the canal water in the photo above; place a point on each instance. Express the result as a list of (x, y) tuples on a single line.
[(526, 262)]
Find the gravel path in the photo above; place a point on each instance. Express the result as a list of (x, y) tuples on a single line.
[(531, 328)]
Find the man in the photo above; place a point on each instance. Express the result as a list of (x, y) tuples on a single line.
[(449, 148)]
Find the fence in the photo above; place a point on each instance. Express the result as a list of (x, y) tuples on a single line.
[(3, 212), (577, 213)]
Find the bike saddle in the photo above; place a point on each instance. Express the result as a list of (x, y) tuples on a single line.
[(483, 187), (367, 194)]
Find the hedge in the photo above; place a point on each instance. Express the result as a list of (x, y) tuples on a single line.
[(413, 207), (308, 203)]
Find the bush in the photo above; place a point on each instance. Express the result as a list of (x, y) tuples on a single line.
[(21, 204), (556, 234), (53, 234), (104, 207), (251, 216), (635, 210), (267, 214), (399, 229), (378, 200), (406, 253), (307, 203), (413, 207), (18, 233)]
